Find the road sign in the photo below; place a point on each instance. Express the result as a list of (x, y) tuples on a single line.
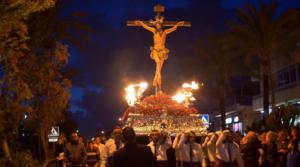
[(204, 118), (54, 133)]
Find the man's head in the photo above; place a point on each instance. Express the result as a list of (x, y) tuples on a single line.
[(90, 144), (282, 135), (271, 137), (295, 132), (74, 137), (102, 138), (129, 135), (251, 135), (154, 136), (117, 133)]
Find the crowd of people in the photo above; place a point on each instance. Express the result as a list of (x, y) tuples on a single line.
[(216, 149)]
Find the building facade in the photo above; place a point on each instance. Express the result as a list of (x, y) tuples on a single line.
[(286, 83)]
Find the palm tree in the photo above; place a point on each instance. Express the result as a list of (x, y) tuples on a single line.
[(282, 117), (262, 33)]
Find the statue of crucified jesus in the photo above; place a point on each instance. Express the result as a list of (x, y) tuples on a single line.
[(159, 52)]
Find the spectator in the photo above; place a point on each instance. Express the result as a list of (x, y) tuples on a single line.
[(60, 148), (249, 148), (99, 140), (282, 147), (270, 155), (262, 139), (75, 152), (113, 144), (295, 135), (92, 155), (81, 140), (133, 154), (293, 156)]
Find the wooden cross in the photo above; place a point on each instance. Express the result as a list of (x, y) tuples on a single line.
[(159, 9)]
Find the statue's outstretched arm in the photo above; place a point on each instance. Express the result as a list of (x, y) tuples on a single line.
[(141, 23), (168, 31)]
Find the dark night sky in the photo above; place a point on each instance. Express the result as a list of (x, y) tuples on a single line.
[(119, 55)]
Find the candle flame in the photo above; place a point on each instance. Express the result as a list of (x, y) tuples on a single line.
[(134, 92), (193, 85), (185, 95)]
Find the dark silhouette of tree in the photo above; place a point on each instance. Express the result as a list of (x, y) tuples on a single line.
[(15, 92), (262, 33), (282, 117), (47, 75)]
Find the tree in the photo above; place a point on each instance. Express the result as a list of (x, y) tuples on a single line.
[(15, 93), (218, 63), (263, 34), (50, 89), (46, 66), (282, 117)]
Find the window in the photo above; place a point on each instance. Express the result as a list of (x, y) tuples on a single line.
[(228, 120), (236, 119), (287, 76)]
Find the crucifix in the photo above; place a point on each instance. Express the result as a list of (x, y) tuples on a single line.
[(159, 52)]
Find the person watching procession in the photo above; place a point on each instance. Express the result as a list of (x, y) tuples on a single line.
[(98, 142), (270, 155), (93, 155), (60, 148), (295, 135), (282, 147), (113, 144), (249, 148), (75, 152), (293, 156)]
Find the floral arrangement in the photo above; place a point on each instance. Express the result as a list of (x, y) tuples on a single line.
[(159, 104)]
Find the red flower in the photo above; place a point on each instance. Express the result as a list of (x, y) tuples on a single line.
[(157, 104)]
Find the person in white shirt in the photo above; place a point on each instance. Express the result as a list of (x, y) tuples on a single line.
[(191, 152), (210, 146), (175, 146), (113, 144), (160, 142), (228, 153), (102, 150)]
